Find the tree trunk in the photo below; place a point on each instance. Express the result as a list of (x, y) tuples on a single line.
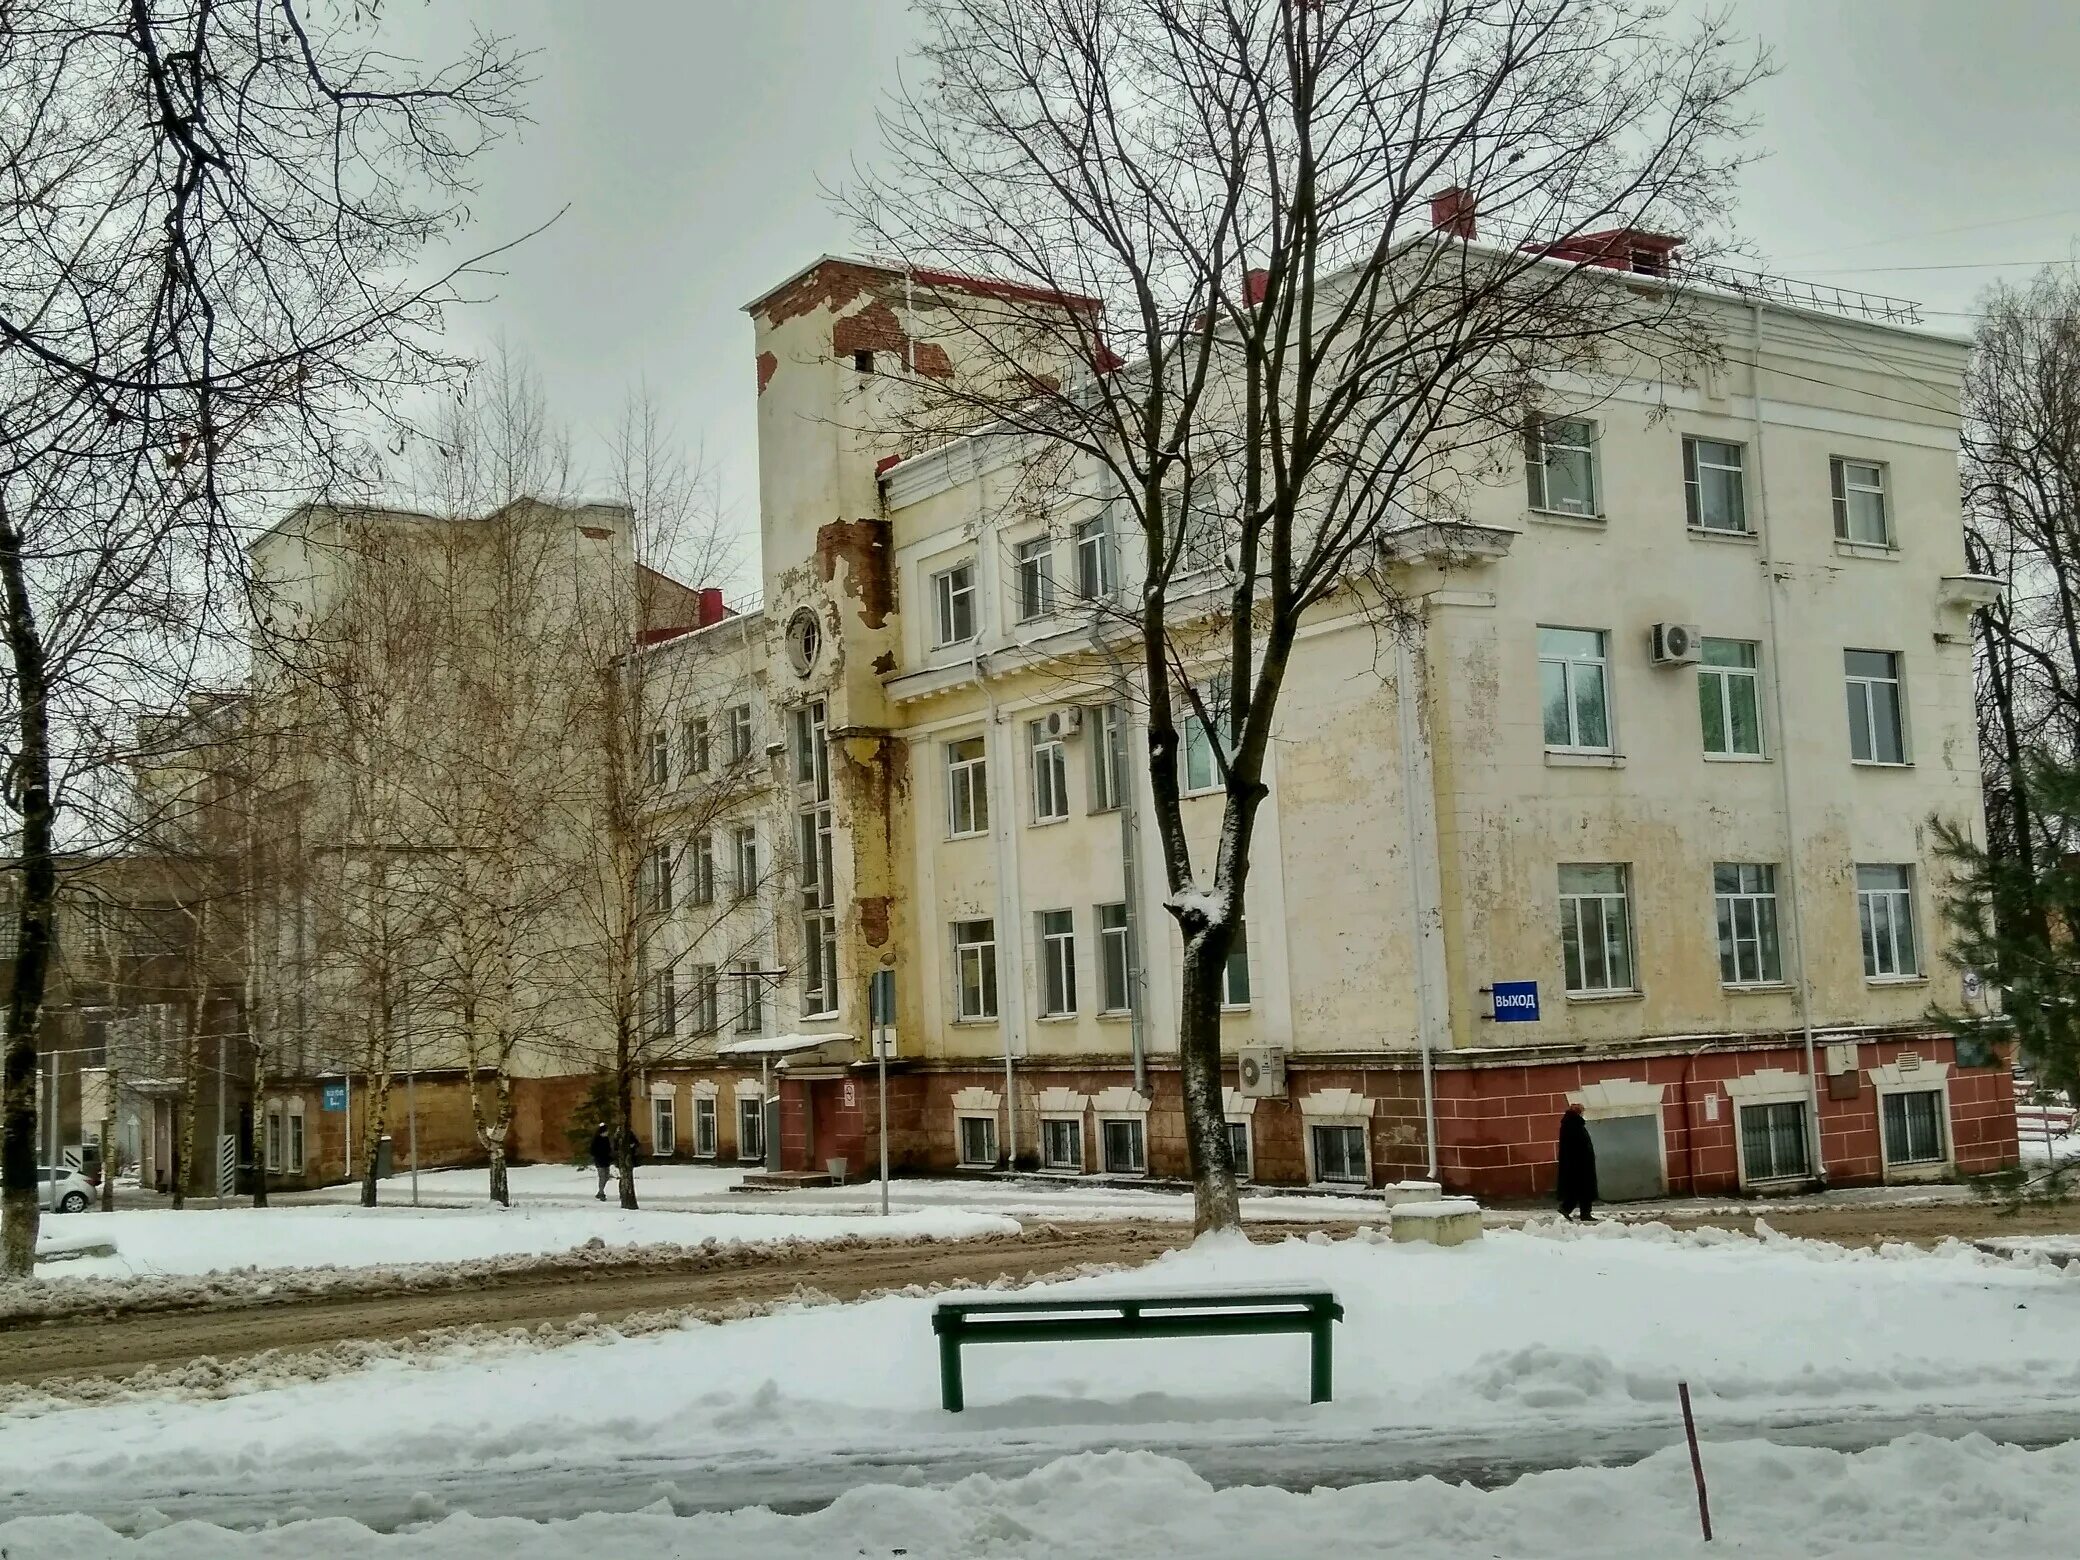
[(29, 792), (184, 1154), (259, 1132), (624, 1112), (378, 1111), (108, 1138), (1215, 1202)]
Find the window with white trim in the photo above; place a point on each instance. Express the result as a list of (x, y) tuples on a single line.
[(1235, 972), (751, 1130), (751, 999), (1034, 560), (1094, 571), (1204, 739), (1596, 927), (740, 734), (744, 861), (1574, 689), (1057, 935), (292, 1163), (664, 1125), (975, 970), (1744, 903), (664, 1003), (1050, 769), (978, 1141), (1729, 698), (657, 879), (694, 756), (1115, 959), (1877, 707), (700, 870), (703, 992), (274, 1136), (1340, 1154), (1123, 1142), (967, 788), (812, 764), (1239, 1148), (1773, 1141), (816, 872), (1913, 1121), (1885, 921), (1714, 485), (1560, 466), (660, 757), (953, 601), (704, 1127), (1061, 1143), (1107, 758), (1860, 514)]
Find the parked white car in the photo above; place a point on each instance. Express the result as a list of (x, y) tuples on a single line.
[(74, 1192)]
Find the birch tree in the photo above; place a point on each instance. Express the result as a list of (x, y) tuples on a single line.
[(212, 218), (1230, 312)]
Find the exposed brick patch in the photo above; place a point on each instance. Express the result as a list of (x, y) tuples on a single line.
[(862, 545), (766, 364), (884, 663), (873, 920)]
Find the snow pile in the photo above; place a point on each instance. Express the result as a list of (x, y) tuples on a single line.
[(1916, 1499), (160, 1242), (1521, 1331)]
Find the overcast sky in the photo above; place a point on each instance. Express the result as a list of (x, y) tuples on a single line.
[(688, 138)]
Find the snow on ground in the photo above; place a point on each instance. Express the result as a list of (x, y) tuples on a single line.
[(1916, 1499), (1554, 1327), (692, 1187), (156, 1242)]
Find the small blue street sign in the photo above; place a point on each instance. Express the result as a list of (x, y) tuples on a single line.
[(1516, 1001), (335, 1096)]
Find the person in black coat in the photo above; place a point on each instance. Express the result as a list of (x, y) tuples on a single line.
[(602, 1158), (1577, 1167)]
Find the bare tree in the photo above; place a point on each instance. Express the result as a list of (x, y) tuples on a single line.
[(210, 214), (1237, 195)]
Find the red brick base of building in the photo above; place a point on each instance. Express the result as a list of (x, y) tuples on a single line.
[(1670, 1118)]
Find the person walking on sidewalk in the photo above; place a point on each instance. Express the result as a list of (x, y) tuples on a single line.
[(1577, 1167), (602, 1159)]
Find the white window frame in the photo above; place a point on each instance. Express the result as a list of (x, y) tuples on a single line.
[(658, 880), (1693, 485), (751, 1108), (1729, 677), (751, 999), (971, 948), (293, 1161), (1539, 448), (660, 756), (1871, 685), (707, 1127), (1898, 904), (1572, 905), (967, 788), (694, 757), (1115, 941), (744, 861), (1107, 758), (1057, 943), (954, 604), (1062, 1121), (701, 851), (274, 1133), (1246, 1162), (1316, 1175), (1839, 469), (1574, 666), (1139, 1125), (664, 1125), (1033, 566), (960, 1139), (704, 992), (1910, 1074), (1760, 902), (1049, 767), (1096, 576), (1237, 959), (662, 1003), (740, 737), (1203, 740)]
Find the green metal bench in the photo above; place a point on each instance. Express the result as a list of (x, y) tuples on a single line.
[(1213, 1315)]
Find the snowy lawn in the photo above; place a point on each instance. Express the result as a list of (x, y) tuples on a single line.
[(1552, 1329), (1916, 1499), (698, 1187), (157, 1242)]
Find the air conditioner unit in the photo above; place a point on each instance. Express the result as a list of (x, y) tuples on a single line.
[(1063, 723), (1261, 1072), (1677, 644)]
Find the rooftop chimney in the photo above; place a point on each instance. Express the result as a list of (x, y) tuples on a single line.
[(1255, 284), (711, 608), (1451, 211)]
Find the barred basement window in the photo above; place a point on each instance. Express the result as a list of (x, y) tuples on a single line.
[(1773, 1141), (978, 1136)]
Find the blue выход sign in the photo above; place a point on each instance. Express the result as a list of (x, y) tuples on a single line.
[(1516, 1001), (335, 1096)]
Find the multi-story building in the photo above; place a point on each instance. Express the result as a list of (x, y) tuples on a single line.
[(1632, 812)]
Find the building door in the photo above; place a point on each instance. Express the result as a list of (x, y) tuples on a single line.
[(1628, 1157)]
